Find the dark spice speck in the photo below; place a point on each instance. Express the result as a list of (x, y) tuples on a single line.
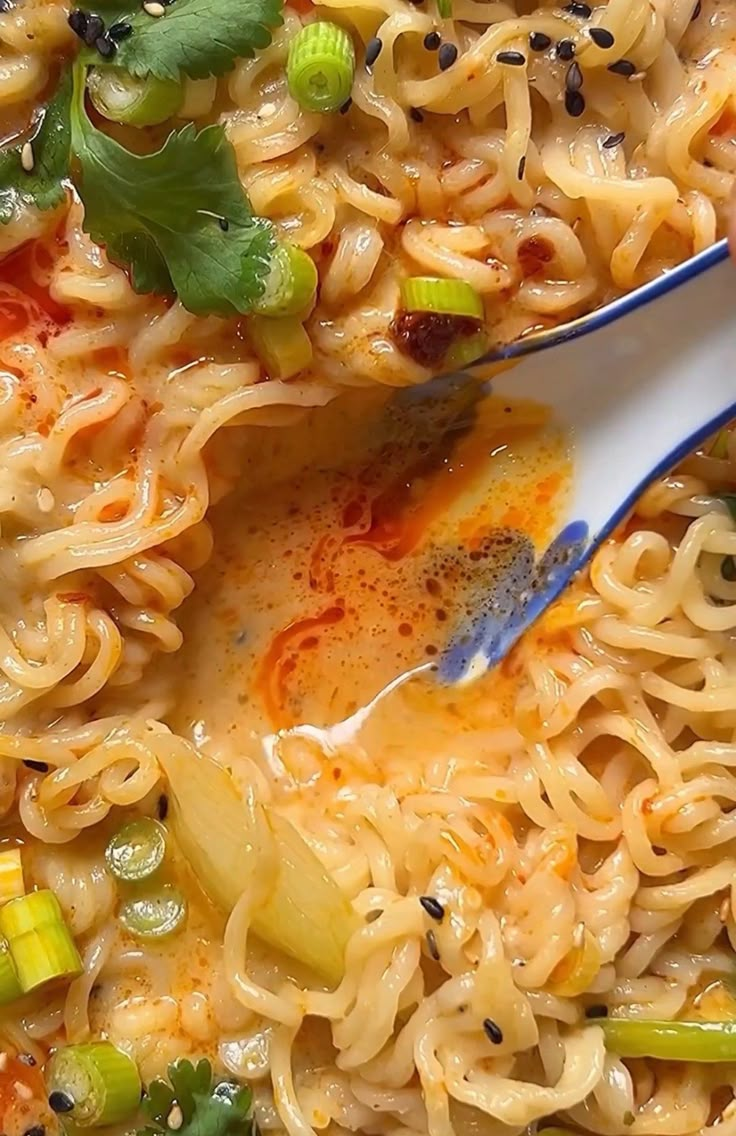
[(162, 807), (432, 947), (577, 8), (433, 907), (697, 10), (60, 1101), (596, 1011), (574, 77), (105, 47), (538, 41), (415, 114), (432, 41), (602, 37), (622, 67), (372, 50), (574, 103), (27, 1059), (346, 106), (95, 28), (447, 56), (520, 168), (613, 140), (77, 21), (38, 766), (511, 58), (223, 223), (565, 50), (119, 31), (493, 1031)]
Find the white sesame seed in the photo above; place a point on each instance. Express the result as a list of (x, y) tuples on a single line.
[(27, 159), (175, 1119), (45, 500), (153, 8), (3, 1062), (724, 910), (22, 1091), (268, 110), (637, 77)]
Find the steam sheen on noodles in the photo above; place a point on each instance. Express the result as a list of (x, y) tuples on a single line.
[(573, 814)]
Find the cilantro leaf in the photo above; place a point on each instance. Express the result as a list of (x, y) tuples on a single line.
[(178, 218), (197, 38), (222, 1109), (43, 186)]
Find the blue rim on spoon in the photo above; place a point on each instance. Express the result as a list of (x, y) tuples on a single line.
[(641, 382)]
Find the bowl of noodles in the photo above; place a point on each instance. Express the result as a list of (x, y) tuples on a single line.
[(259, 869)]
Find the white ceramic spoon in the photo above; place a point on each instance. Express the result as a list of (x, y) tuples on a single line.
[(641, 382)]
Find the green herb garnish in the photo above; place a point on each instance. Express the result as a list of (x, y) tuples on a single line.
[(42, 187), (208, 1108), (197, 38), (179, 218)]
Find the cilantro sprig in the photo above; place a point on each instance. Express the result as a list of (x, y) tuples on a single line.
[(50, 140), (197, 38), (208, 1108)]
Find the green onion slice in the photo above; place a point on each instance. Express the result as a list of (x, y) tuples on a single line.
[(321, 66), (101, 1080), (282, 345), (40, 942), (137, 850), (121, 97), (29, 912), (671, 1041), (446, 297), (291, 283), (444, 9), (154, 913), (465, 350), (10, 987)]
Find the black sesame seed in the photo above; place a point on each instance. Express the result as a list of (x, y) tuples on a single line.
[(565, 50), (622, 67), (574, 77), (77, 21), (447, 56), (60, 1102), (346, 106), (576, 8), (520, 168), (493, 1031), (596, 1011), (415, 114), (223, 223), (433, 907), (373, 50), (27, 1059), (162, 807), (39, 766), (574, 103), (95, 28), (511, 58), (432, 947), (432, 41), (119, 31), (697, 10), (613, 140), (538, 41), (659, 851), (35, 1130), (105, 47), (728, 569), (602, 37)]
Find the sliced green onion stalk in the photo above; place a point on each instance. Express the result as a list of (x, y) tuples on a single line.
[(719, 449), (321, 66), (291, 283), (444, 9), (12, 885), (101, 1080), (231, 843), (465, 350), (137, 850), (40, 942), (121, 97), (671, 1041), (154, 913), (10, 987), (282, 345), (437, 294)]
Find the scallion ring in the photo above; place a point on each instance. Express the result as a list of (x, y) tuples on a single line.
[(137, 850), (466, 350), (40, 942), (10, 987), (446, 297), (101, 1080), (282, 345), (154, 913), (671, 1041), (321, 66), (121, 97), (291, 283)]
